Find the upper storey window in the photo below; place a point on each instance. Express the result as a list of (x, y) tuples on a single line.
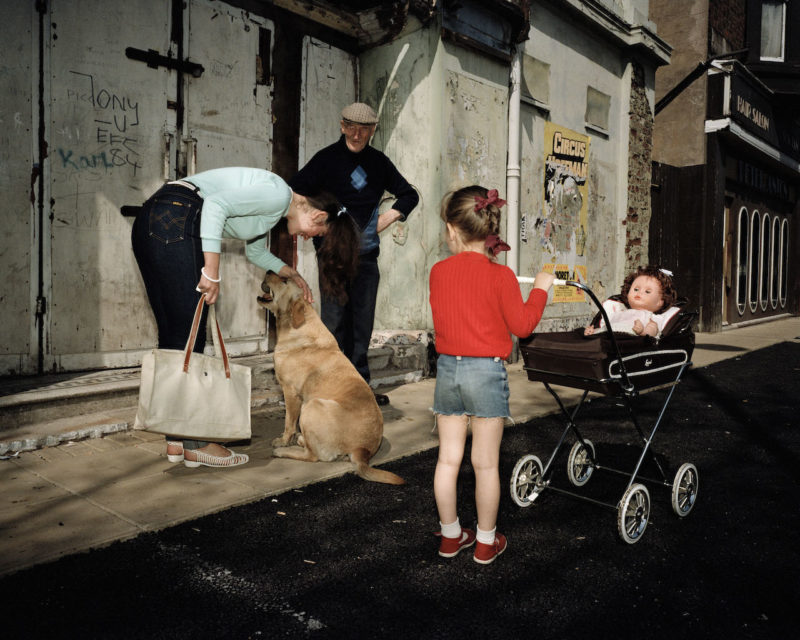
[(773, 29)]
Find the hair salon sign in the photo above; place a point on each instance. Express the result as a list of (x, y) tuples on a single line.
[(752, 109)]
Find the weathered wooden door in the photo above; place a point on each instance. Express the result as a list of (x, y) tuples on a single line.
[(89, 128), (106, 119), (330, 81), (229, 123)]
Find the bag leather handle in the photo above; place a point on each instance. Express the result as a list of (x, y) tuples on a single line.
[(219, 343)]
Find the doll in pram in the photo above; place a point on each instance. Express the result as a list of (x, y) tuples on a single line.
[(644, 306), (615, 364)]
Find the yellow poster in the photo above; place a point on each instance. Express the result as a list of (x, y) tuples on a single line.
[(565, 212), (563, 293)]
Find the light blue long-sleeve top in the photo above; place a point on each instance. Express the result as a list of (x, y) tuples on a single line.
[(242, 203)]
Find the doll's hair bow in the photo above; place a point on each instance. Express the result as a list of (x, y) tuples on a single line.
[(495, 245), (492, 197)]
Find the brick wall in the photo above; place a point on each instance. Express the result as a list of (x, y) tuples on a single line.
[(728, 19), (640, 150)]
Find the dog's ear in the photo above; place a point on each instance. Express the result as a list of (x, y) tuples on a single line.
[(298, 313)]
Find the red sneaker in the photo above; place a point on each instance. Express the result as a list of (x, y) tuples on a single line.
[(450, 547), (486, 553)]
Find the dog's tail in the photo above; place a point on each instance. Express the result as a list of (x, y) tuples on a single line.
[(360, 458)]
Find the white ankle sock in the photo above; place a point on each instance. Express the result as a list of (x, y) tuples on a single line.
[(485, 537), (452, 530)]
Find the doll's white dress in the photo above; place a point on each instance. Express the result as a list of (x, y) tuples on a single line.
[(622, 318)]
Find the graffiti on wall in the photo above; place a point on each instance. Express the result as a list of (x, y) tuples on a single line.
[(112, 141), (562, 227)]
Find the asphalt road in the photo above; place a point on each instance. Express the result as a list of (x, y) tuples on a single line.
[(352, 559)]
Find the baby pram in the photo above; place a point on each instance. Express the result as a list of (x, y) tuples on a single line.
[(615, 365)]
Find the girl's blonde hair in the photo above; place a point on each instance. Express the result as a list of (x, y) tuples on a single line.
[(459, 209)]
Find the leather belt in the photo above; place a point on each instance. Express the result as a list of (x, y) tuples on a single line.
[(186, 184)]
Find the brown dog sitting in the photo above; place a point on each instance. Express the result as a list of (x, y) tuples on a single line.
[(323, 392)]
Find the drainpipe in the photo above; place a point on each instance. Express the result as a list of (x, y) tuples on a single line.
[(512, 165)]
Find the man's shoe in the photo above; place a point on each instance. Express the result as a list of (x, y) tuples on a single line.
[(486, 553), (381, 399), (450, 547)]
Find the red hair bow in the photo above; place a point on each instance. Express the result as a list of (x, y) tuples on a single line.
[(491, 198), (495, 245)]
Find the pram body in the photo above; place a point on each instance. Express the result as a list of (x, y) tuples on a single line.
[(616, 365)]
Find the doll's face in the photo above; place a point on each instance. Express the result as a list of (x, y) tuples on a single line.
[(645, 293)]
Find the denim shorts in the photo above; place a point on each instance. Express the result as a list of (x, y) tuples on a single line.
[(471, 386)]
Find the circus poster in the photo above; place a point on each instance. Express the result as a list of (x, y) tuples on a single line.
[(563, 225)]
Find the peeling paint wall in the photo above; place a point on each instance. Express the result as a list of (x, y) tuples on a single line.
[(575, 60), (399, 81), (443, 121)]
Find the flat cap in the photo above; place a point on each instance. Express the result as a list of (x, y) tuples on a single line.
[(360, 113)]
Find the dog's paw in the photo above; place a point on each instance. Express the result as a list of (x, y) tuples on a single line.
[(280, 441)]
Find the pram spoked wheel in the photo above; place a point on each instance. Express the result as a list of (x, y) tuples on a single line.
[(526, 480), (633, 513), (684, 489), (579, 464)]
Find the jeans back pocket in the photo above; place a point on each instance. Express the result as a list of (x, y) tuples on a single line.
[(170, 216)]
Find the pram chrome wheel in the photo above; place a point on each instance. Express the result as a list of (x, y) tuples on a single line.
[(526, 480), (633, 513), (579, 466), (684, 489)]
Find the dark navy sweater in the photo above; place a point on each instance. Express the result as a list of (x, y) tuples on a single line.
[(358, 180)]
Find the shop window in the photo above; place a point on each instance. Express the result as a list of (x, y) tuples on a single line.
[(536, 82), (598, 105), (754, 259), (741, 261), (764, 264), (773, 29), (775, 265), (784, 262)]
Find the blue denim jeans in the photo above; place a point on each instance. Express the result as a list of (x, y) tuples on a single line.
[(166, 243), (351, 323)]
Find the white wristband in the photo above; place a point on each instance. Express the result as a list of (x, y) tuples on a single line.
[(208, 277)]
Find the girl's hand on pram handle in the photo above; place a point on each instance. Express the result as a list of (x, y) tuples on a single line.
[(543, 281), (550, 278)]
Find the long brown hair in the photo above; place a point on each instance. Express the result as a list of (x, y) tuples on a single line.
[(337, 254)]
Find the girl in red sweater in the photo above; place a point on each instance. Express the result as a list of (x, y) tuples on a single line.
[(476, 304)]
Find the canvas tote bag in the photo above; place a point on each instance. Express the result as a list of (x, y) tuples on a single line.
[(192, 395)]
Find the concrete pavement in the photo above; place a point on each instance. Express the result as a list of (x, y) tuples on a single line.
[(86, 494)]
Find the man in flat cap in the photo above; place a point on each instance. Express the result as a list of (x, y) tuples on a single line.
[(358, 175)]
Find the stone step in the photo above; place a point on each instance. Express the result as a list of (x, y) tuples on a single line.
[(42, 411)]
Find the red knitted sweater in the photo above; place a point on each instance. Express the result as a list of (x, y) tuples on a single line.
[(477, 303)]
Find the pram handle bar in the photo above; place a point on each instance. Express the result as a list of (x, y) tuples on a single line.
[(527, 280), (626, 383)]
